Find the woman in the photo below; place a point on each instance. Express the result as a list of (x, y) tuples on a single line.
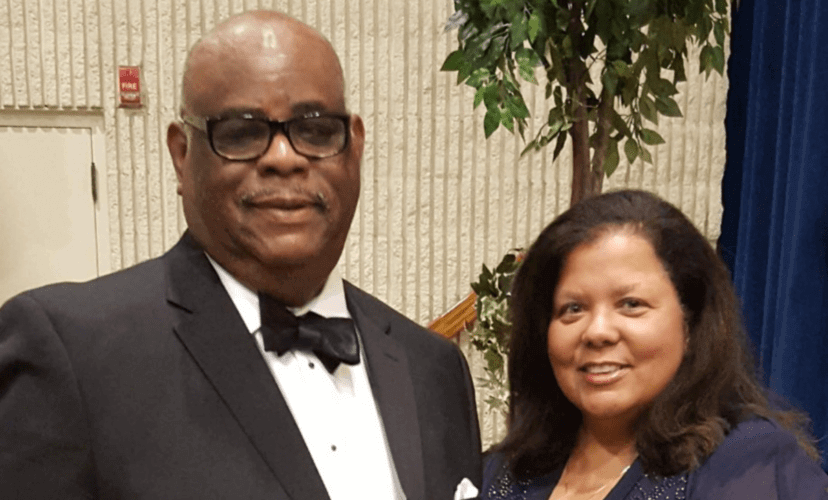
[(630, 373)]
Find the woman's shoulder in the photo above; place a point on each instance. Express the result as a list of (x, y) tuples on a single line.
[(759, 459), (755, 440), (498, 481), (500, 484)]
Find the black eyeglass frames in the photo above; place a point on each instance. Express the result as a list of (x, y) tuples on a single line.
[(247, 137)]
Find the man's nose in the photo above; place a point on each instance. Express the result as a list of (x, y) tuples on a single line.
[(280, 158)]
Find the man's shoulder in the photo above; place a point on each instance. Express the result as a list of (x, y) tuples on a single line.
[(124, 292), (376, 308), (133, 281), (131, 285)]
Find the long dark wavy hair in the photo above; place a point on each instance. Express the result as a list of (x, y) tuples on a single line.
[(716, 385)]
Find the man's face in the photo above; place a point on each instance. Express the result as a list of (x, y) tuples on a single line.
[(282, 212)]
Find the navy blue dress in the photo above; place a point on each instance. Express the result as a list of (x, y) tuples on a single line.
[(758, 460)]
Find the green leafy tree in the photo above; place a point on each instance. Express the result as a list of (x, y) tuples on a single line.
[(640, 47), (490, 334)]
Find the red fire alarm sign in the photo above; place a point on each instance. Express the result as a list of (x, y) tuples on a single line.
[(129, 85)]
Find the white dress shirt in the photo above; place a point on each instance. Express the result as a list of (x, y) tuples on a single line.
[(335, 412)]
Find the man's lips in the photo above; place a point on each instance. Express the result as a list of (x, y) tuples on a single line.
[(285, 202), (282, 203)]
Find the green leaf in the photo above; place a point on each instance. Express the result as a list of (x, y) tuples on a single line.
[(603, 16), (707, 26), (611, 159), (678, 69), (534, 26), (507, 119), (464, 72), (566, 47), (555, 127), (622, 68), (651, 137), (532, 146), (619, 123), (517, 32), (517, 107), (678, 34), (629, 91), (706, 59), (640, 10), (558, 93), (695, 11), (631, 150), (555, 121), (527, 73), (555, 71), (663, 87), (494, 361), (491, 121), (589, 8), (478, 77), (505, 283), (527, 60), (610, 82), (648, 109), (485, 274), (667, 106), (454, 61), (718, 32), (718, 59), (561, 18), (556, 115), (506, 264), (478, 96), (649, 60), (491, 96), (559, 145), (510, 83), (645, 155)]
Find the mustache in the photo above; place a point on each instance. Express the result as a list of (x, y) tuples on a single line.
[(317, 198)]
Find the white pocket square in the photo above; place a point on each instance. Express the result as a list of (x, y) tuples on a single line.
[(465, 490)]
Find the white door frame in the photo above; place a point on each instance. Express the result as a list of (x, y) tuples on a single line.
[(94, 121)]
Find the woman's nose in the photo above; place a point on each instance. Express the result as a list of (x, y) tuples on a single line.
[(600, 330)]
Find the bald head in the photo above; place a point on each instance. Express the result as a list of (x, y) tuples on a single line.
[(278, 221), (236, 44)]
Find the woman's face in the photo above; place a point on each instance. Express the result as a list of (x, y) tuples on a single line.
[(617, 333)]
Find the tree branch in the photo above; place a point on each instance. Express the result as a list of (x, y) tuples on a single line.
[(603, 129), (584, 182)]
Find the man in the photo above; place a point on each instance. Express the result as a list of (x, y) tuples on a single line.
[(169, 379)]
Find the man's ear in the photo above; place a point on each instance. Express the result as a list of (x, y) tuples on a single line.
[(357, 136), (177, 145)]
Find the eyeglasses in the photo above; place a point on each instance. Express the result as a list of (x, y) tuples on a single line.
[(247, 137)]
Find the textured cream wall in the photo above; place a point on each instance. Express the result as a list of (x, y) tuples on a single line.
[(437, 199)]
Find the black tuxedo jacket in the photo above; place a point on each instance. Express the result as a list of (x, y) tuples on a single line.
[(145, 384)]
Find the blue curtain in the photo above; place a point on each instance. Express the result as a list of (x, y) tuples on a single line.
[(775, 194)]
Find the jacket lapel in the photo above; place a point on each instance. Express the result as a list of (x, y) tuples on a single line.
[(390, 378), (216, 337)]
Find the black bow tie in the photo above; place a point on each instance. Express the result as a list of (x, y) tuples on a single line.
[(333, 340)]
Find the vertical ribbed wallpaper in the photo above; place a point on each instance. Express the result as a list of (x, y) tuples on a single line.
[(438, 200)]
